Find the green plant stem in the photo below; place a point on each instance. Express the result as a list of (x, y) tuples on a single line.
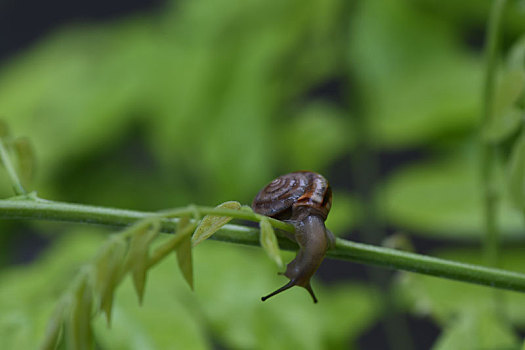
[(428, 265), (13, 176), (70, 212), (344, 250), (489, 151), (166, 249)]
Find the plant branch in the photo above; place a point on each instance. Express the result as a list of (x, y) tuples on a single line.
[(60, 211), (13, 176), (344, 250), (489, 150)]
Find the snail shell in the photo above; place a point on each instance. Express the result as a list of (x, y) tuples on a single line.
[(304, 199), (291, 191)]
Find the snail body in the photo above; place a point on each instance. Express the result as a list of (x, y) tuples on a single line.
[(304, 199)]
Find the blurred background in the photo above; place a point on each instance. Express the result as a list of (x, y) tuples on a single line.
[(150, 105)]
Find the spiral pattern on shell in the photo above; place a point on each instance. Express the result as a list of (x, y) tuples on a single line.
[(299, 189)]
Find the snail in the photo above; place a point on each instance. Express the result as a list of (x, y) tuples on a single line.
[(303, 199)]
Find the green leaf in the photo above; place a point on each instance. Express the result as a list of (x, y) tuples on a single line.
[(246, 208), (442, 198), (79, 334), (269, 242), (54, 328), (241, 321), (477, 330), (508, 89), (26, 160), (28, 295), (212, 223), (516, 59), (501, 127), (412, 95), (143, 234), (444, 299), (516, 173), (168, 319), (143, 68), (108, 268), (236, 320), (184, 253)]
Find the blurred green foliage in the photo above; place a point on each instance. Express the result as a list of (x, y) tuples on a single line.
[(205, 102), (173, 317), (442, 198), (465, 310), (205, 92)]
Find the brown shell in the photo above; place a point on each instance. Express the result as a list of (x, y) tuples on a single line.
[(290, 191)]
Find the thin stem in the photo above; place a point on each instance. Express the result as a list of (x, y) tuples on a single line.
[(166, 249), (13, 176), (238, 214), (70, 212), (489, 151), (345, 250), (493, 34), (427, 265)]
